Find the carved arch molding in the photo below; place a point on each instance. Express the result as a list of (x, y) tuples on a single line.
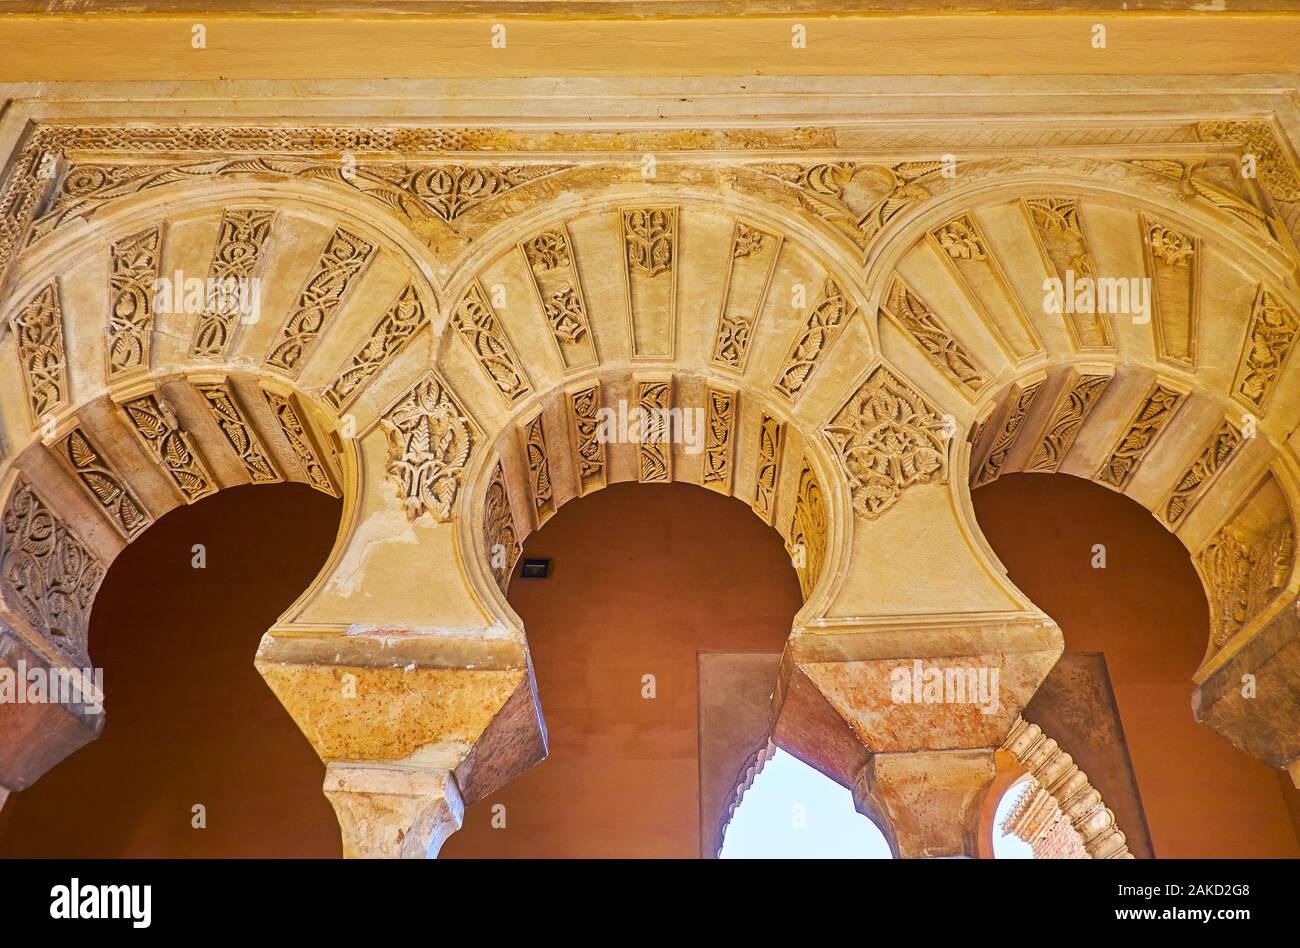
[(460, 329)]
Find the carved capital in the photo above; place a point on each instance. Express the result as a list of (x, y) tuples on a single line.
[(927, 804), (393, 814)]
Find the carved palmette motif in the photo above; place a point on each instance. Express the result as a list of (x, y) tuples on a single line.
[(1072, 409), (1270, 339), (1274, 168), (241, 435), (915, 318), (499, 536), (584, 405), (966, 256), (1058, 227), (1173, 266), (650, 237), (343, 259), (654, 455), (50, 576), (418, 191), (1243, 573), (430, 439), (859, 198), (301, 441), (771, 440), (240, 239), (539, 470), (719, 425), (1222, 447), (449, 191), (888, 438), (1021, 402), (169, 445), (481, 331), (960, 239), (132, 274), (549, 255), (38, 329), (808, 529), (827, 318), (1157, 409), (754, 253), (103, 484), (394, 329)]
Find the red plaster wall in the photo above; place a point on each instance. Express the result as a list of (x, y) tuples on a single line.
[(1146, 610)]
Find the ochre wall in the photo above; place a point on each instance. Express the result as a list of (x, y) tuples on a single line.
[(634, 591)]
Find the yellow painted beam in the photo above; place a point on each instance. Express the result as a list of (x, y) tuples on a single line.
[(160, 47)]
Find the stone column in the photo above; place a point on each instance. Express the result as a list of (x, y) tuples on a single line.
[(390, 813), (406, 671), (927, 804), (913, 655)]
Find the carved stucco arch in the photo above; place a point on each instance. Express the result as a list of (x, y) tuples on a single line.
[(446, 701), (1241, 537)]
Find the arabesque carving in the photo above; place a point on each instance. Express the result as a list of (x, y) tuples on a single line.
[(1158, 409), (161, 434), (1075, 403), (133, 273), (38, 328), (103, 484), (827, 318), (393, 331), (301, 440), (1243, 573), (588, 448), (499, 534), (51, 576), (481, 331), (720, 420), (915, 318), (240, 241), (806, 543), (1270, 339), (344, 257), (430, 439), (771, 439), (1194, 482), (241, 435), (539, 469), (888, 438)]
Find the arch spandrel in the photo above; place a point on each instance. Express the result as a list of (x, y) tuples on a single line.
[(450, 389)]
